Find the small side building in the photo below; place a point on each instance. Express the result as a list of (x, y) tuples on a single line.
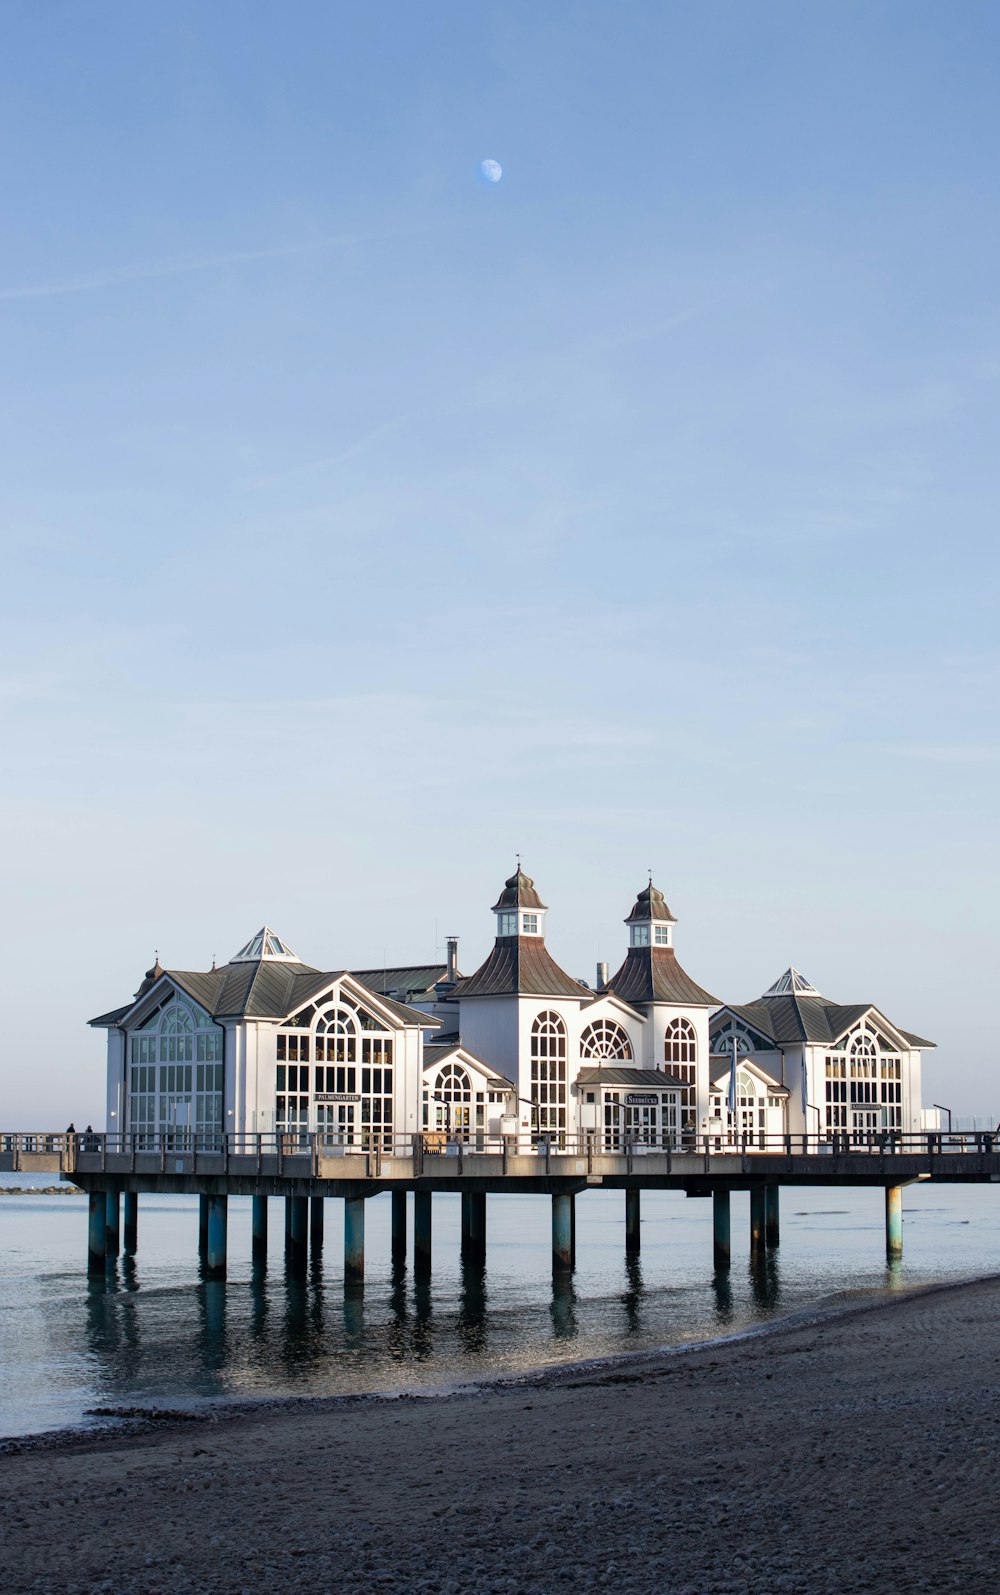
[(809, 1065), (263, 1044)]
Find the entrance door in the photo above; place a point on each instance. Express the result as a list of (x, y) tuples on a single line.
[(641, 1125), (336, 1123), (865, 1123), (612, 1124)]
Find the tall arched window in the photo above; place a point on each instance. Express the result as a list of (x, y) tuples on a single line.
[(451, 1100), (680, 1054), (548, 1074), (606, 1040), (336, 1037), (680, 1043), (175, 1079)]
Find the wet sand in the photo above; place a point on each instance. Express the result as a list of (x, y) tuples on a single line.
[(856, 1451)]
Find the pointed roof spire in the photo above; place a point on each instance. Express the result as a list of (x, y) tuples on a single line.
[(792, 984), (518, 892), (651, 904), (151, 976), (265, 945)]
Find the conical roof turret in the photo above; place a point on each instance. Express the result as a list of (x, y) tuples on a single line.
[(652, 905), (518, 892)]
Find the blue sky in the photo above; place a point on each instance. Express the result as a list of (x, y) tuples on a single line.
[(364, 522)]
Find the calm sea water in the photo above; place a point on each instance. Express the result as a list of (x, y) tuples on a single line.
[(153, 1332)]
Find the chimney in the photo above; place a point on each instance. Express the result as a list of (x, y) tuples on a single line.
[(602, 976), (452, 944)]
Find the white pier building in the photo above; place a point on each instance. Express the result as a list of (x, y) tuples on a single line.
[(267, 1044)]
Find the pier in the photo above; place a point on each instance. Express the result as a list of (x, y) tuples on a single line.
[(307, 1171)]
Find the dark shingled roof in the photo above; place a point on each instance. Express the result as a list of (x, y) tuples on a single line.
[(437, 1050), (651, 904), (652, 974), (520, 966), (719, 1066), (107, 1021), (415, 980), (265, 989), (643, 1079), (787, 1020), (518, 892)]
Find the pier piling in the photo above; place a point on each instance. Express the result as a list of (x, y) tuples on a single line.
[(202, 1225), (97, 1232), (112, 1219), (562, 1233), (422, 1231), (721, 1228), (633, 1205), (893, 1222), (296, 1230), (354, 1239), (772, 1217), (399, 1227), (473, 1226), (317, 1213), (131, 1220), (757, 1218), (218, 1224), (259, 1241)]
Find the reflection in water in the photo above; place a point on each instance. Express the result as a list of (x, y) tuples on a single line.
[(472, 1308), (212, 1301), (149, 1330), (354, 1316), (764, 1282), (423, 1339), (564, 1325), (632, 1298), (722, 1289), (259, 1307)]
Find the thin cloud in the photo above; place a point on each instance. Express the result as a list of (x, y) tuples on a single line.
[(141, 271), (330, 461)]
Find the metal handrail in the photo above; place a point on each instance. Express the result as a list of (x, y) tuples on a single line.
[(436, 1147)]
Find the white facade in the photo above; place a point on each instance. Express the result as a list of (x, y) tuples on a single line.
[(267, 1045)]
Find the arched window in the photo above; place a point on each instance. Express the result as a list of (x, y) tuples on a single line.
[(606, 1039), (548, 1073), (722, 1041), (680, 1043), (176, 1036), (451, 1101), (680, 1054), (336, 1037)]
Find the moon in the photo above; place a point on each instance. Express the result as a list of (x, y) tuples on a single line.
[(491, 171)]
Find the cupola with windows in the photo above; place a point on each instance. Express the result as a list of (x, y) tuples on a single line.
[(519, 909), (651, 924), (651, 972), (520, 963)]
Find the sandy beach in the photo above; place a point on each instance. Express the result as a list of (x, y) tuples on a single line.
[(849, 1452)]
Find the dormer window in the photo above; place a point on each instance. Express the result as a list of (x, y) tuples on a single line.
[(529, 924), (506, 924), (661, 935), (640, 935)]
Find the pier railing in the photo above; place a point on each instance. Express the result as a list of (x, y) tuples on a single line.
[(377, 1154)]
